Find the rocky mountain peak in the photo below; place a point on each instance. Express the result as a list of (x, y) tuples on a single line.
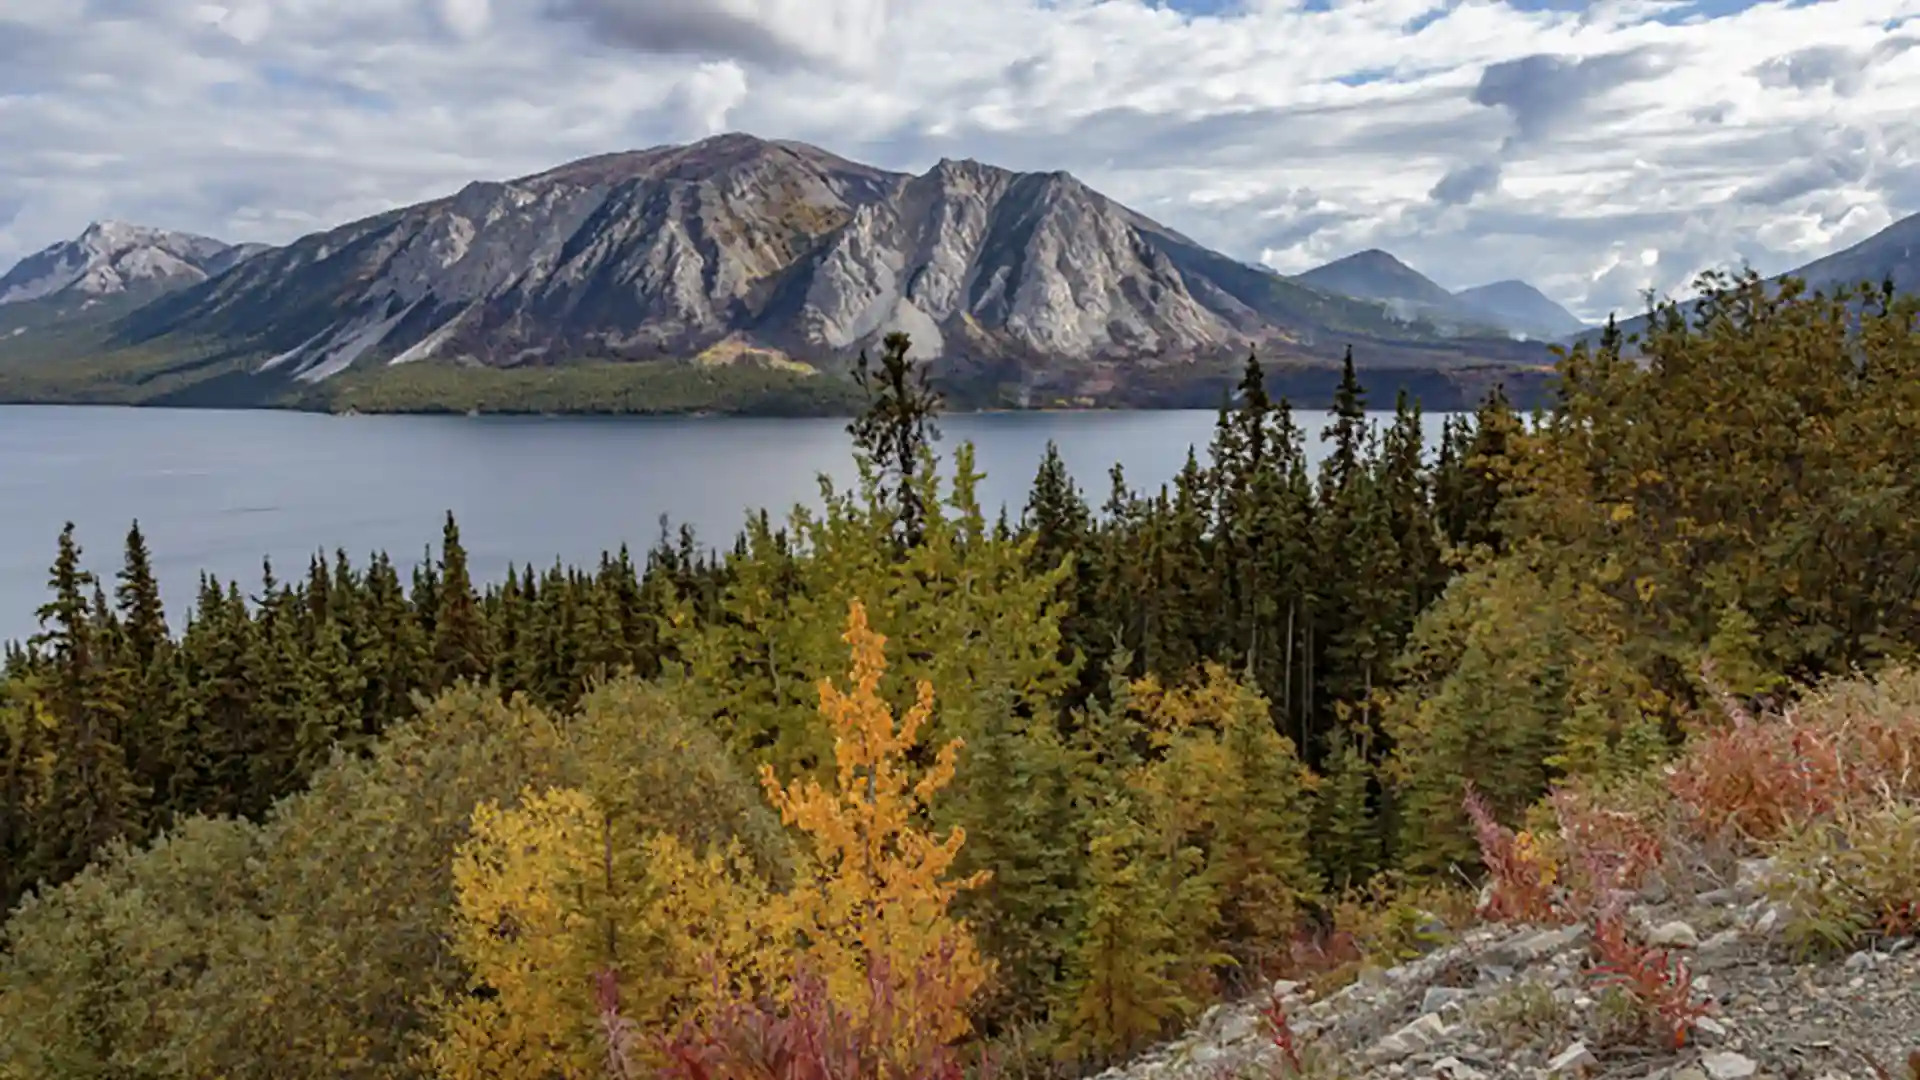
[(111, 258), (669, 252)]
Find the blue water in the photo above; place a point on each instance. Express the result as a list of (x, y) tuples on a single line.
[(218, 490)]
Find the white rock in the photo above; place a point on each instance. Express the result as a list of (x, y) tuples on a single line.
[(1574, 1059), (1725, 939), (1674, 935), (1439, 997), (1285, 988), (1753, 876), (1409, 1040), (1452, 1068), (1538, 946), (1205, 1054), (1238, 1028), (1727, 1065)]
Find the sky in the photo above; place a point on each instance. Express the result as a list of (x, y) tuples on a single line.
[(1595, 150)]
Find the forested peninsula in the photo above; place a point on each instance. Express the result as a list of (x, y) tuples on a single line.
[(898, 789)]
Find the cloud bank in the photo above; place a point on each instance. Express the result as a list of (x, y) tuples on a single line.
[(1595, 149)]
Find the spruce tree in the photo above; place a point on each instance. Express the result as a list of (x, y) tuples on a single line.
[(1258, 859), (897, 429), (92, 798), (141, 612), (144, 672), (461, 649), (24, 777), (1346, 835), (1347, 430)]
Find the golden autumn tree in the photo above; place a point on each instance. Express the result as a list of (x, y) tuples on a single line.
[(554, 903), (871, 898), (517, 927)]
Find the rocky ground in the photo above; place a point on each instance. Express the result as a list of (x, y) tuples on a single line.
[(1518, 1001)]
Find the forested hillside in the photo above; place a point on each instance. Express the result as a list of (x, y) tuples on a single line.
[(898, 790)]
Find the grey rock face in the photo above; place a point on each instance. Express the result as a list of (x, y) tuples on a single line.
[(665, 253), (112, 258)]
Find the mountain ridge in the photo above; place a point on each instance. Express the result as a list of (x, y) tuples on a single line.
[(1509, 307), (777, 244), (1016, 286)]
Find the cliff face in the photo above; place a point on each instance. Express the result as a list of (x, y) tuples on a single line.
[(112, 259), (737, 242)]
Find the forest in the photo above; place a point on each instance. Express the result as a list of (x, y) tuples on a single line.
[(909, 790)]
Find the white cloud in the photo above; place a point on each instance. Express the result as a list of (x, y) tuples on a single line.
[(1475, 139), (465, 18), (709, 95)]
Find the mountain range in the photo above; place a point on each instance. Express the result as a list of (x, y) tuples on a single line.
[(1509, 307), (740, 253)]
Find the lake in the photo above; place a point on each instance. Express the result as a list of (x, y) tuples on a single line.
[(218, 490)]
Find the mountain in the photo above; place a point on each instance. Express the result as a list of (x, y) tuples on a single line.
[(115, 259), (1520, 307), (1408, 294), (739, 247), (1376, 275), (1892, 253)]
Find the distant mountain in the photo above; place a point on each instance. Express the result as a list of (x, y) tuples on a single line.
[(115, 259), (778, 252), (1892, 253), (1520, 307), (1376, 275), (1405, 292)]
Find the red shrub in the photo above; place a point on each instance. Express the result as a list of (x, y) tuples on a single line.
[(1607, 851), (1521, 889), (1660, 984), (1275, 1013), (1756, 777)]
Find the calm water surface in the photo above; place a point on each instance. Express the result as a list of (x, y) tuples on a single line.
[(218, 490)]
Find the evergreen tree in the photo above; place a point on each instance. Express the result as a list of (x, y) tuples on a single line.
[(1258, 860), (461, 649), (897, 429), (145, 671), (91, 796), (141, 612), (25, 768), (1347, 844)]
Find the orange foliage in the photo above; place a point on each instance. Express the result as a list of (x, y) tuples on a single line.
[(874, 895), (1756, 778)]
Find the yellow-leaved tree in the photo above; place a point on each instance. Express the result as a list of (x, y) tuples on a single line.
[(871, 898), (593, 887)]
